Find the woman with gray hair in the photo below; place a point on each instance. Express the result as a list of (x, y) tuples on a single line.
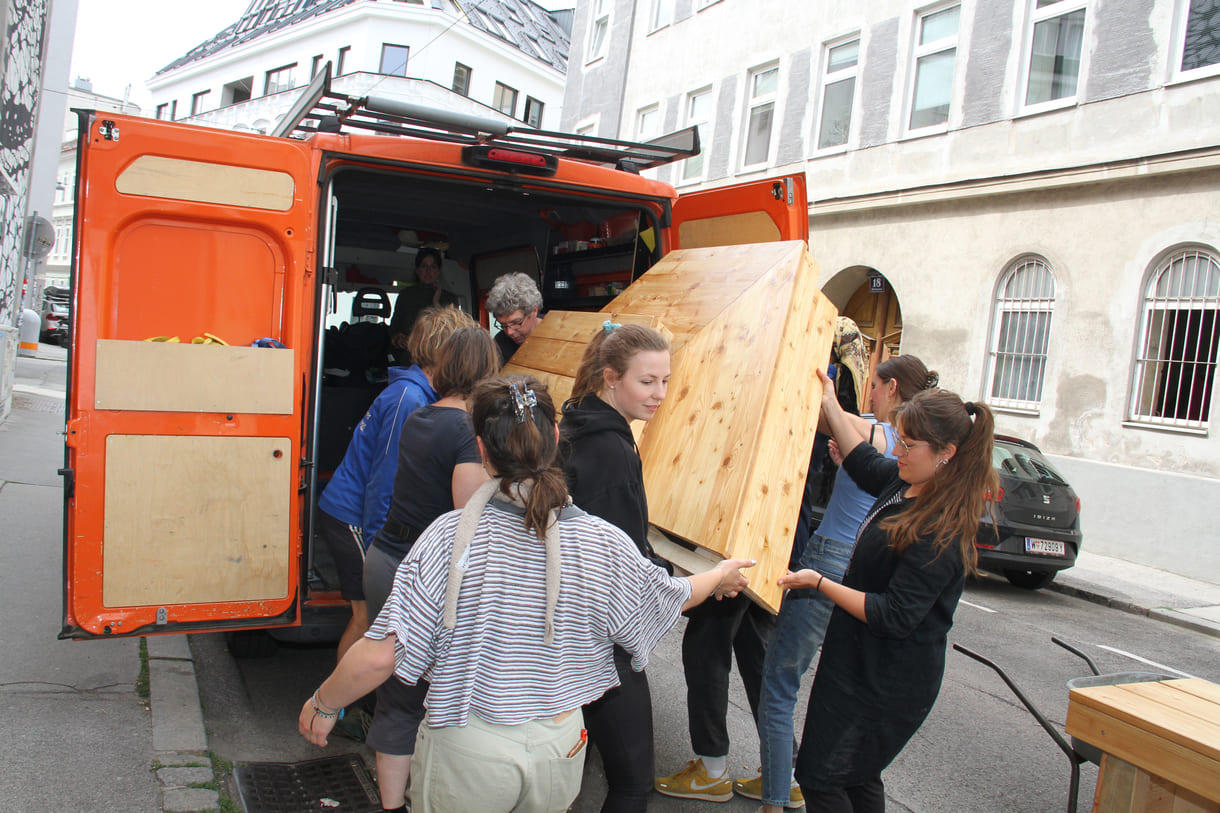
[(515, 302)]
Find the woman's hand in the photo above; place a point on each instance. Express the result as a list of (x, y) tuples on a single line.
[(830, 400), (313, 726), (801, 578), (835, 453), (732, 580)]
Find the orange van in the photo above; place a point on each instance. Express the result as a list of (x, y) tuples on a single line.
[(192, 466)]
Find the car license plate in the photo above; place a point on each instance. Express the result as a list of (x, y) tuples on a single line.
[(1052, 547)]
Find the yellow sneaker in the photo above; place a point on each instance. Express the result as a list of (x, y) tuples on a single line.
[(752, 789), (692, 782)]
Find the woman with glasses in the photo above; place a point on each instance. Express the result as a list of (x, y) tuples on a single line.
[(884, 654), (515, 302), (804, 614)]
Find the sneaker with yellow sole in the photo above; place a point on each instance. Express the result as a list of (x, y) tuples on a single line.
[(752, 789), (692, 782)]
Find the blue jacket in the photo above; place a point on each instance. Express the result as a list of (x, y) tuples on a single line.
[(360, 490)]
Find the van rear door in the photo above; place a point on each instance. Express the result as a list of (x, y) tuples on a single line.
[(184, 464), (756, 212)]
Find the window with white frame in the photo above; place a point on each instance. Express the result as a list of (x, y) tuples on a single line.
[(838, 92), (599, 30), (461, 78), (760, 115), (393, 59), (1020, 334), (698, 115), (279, 79), (163, 111), (935, 57), (340, 63), (199, 102), (533, 112), (1055, 48), (1175, 361), (661, 14), (504, 99), (648, 123), (1200, 44)]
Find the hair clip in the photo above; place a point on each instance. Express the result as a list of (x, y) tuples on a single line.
[(524, 401), (610, 327)]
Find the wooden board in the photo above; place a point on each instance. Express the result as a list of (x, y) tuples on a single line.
[(178, 179), (552, 352), (176, 377), (174, 534), (1170, 729)]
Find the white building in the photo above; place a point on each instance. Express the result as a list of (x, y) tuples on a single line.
[(505, 57), (1036, 183)]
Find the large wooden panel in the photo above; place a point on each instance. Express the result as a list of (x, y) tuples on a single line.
[(175, 377), (196, 519)]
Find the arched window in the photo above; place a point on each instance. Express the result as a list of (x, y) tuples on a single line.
[(1021, 327), (1175, 361)]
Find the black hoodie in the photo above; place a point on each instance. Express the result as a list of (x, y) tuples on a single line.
[(602, 464)]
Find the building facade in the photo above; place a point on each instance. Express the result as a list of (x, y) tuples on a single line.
[(502, 58), (1024, 193)]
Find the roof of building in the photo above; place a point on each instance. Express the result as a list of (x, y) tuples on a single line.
[(537, 32)]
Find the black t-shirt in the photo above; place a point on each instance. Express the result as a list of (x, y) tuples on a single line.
[(434, 441), (506, 346)]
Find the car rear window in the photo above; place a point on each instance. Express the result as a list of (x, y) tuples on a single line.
[(1024, 464)]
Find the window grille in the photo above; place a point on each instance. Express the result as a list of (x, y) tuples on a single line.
[(1175, 362), (1025, 302)]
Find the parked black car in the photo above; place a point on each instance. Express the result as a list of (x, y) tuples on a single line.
[(1036, 532)]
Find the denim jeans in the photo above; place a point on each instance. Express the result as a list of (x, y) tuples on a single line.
[(799, 631)]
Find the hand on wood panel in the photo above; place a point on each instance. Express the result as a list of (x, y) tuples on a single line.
[(830, 400), (732, 580)]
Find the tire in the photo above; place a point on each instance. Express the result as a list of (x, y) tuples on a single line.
[(250, 644), (1030, 579)]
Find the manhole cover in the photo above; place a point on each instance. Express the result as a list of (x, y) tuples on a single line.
[(339, 784)]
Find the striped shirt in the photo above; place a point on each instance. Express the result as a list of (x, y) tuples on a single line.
[(494, 661)]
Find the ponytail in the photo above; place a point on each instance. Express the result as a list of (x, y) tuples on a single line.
[(515, 418)]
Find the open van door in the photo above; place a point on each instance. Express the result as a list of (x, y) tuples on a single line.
[(756, 212), (184, 465)]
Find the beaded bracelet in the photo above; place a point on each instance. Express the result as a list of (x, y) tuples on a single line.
[(320, 708)]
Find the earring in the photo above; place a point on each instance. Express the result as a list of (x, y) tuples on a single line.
[(941, 462), (611, 386)]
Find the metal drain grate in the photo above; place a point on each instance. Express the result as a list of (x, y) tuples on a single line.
[(339, 784)]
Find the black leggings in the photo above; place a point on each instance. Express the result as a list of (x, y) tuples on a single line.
[(866, 798), (620, 726)]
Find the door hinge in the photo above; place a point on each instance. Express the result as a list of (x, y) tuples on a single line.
[(108, 130), (74, 433)]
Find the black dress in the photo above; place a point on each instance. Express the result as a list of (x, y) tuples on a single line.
[(876, 681)]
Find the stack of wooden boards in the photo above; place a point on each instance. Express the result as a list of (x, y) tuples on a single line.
[(726, 455)]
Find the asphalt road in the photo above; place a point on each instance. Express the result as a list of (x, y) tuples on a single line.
[(979, 751)]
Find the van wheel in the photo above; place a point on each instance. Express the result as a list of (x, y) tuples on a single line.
[(1030, 579), (250, 644)]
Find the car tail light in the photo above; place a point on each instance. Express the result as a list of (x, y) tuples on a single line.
[(501, 158), (1077, 505), (999, 495)]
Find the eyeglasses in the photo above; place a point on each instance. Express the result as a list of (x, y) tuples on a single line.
[(512, 323), (906, 446)]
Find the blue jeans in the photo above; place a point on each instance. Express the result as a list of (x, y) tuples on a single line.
[(799, 631)]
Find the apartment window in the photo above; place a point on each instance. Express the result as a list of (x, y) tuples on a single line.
[(393, 59), (661, 14), (760, 118), (199, 102), (533, 112), (838, 93), (173, 110), (280, 79), (461, 78), (504, 99), (599, 30), (162, 111), (236, 92), (648, 123), (1200, 28), (698, 115), (1055, 49), (1021, 326), (341, 62), (935, 56), (1175, 363), (315, 65)]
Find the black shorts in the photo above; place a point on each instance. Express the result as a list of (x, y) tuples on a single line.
[(346, 543)]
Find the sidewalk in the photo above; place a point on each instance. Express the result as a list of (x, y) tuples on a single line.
[(72, 707)]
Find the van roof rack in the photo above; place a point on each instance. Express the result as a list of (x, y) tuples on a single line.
[(321, 110)]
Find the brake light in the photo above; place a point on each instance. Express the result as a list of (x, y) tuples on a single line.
[(528, 159), (1077, 505), (999, 495), (509, 160)]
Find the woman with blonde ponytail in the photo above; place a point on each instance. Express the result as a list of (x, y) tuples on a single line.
[(883, 658), (512, 607)]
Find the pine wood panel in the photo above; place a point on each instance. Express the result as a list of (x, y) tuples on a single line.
[(196, 519), (1124, 788), (176, 377)]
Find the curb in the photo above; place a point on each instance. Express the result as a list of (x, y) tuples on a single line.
[(1165, 614), (180, 741)]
